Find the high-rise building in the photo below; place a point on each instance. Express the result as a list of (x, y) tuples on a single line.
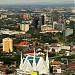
[(58, 26), (7, 45), (35, 22), (43, 19), (24, 27)]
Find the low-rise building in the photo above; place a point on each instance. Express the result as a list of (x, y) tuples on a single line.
[(56, 66)]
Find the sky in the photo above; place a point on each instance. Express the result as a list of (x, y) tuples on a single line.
[(32, 1)]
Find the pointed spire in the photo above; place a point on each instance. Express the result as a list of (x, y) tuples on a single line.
[(34, 61), (47, 60), (21, 58)]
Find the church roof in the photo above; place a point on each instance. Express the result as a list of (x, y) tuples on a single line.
[(28, 65), (30, 59)]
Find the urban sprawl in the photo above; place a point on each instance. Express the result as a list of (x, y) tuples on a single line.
[(37, 41)]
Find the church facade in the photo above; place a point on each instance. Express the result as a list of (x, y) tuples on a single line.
[(33, 63)]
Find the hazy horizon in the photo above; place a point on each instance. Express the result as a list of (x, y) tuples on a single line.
[(35, 1)]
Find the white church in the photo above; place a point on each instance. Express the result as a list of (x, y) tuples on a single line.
[(33, 63)]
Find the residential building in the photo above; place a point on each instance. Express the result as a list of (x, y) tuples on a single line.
[(24, 27), (7, 45), (26, 16), (3, 16), (58, 26), (56, 67), (67, 32), (47, 28)]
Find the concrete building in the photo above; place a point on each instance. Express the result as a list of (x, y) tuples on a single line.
[(48, 28), (67, 32), (73, 10), (58, 26), (56, 67), (7, 45), (54, 24), (35, 22), (43, 19), (26, 16), (24, 27), (11, 32), (3, 16), (58, 48)]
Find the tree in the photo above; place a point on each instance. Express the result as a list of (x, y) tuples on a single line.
[(20, 48), (8, 71)]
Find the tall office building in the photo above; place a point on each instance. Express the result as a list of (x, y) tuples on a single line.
[(35, 22), (24, 27), (43, 19), (7, 45)]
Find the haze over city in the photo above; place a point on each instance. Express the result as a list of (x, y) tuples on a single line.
[(34, 1)]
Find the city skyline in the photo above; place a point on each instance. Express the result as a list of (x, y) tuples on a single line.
[(34, 1)]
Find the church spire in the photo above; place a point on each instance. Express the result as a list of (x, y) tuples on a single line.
[(21, 58), (47, 60), (34, 61)]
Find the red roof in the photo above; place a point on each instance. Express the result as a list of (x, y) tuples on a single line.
[(51, 30), (73, 47), (21, 43), (71, 65)]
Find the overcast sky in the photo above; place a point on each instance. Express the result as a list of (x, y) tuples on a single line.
[(31, 1)]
